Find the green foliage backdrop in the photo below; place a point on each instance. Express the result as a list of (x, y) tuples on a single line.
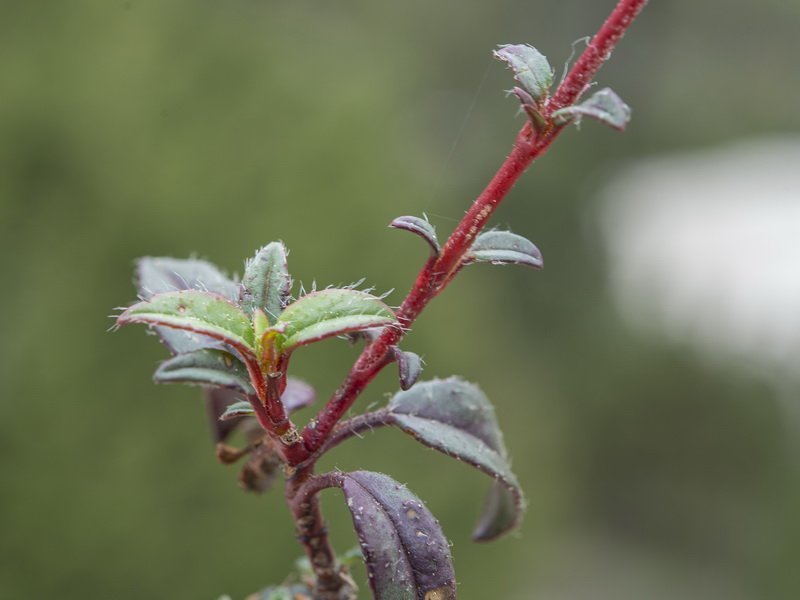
[(175, 127)]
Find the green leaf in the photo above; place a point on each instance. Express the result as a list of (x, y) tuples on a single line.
[(206, 367), (266, 283), (421, 227), (238, 409), (604, 105), (200, 312), (405, 552), (504, 247), (455, 417), (155, 275), (530, 67), (326, 313), (530, 106)]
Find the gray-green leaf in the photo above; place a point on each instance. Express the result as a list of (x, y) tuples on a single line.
[(504, 247), (604, 105), (455, 417), (421, 227), (206, 367), (530, 67), (155, 275)]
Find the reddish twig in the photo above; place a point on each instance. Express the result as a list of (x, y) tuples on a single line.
[(438, 272)]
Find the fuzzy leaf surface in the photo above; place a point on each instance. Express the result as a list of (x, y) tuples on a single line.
[(206, 367), (422, 228), (155, 275), (409, 366), (457, 419), (405, 551), (327, 313), (530, 67), (266, 283), (200, 312), (604, 105), (504, 247)]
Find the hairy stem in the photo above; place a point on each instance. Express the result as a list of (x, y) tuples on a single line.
[(598, 52), (332, 583), (436, 274), (322, 432)]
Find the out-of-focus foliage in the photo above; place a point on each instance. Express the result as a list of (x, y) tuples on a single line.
[(132, 128)]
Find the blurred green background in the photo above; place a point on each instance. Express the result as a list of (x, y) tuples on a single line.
[(180, 127)]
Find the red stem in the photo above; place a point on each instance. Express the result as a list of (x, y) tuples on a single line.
[(598, 52), (437, 273)]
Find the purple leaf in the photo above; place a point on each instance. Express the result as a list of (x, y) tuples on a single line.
[(298, 394), (405, 551), (409, 366), (217, 400), (455, 418)]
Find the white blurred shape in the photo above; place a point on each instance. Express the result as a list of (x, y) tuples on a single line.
[(705, 248)]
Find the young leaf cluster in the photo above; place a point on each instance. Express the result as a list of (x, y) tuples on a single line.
[(535, 77)]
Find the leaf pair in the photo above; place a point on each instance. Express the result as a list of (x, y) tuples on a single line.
[(496, 247)]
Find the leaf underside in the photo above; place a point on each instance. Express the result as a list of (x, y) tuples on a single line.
[(206, 367), (421, 227), (405, 552), (455, 418)]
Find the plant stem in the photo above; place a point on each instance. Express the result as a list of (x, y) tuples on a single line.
[(438, 272), (332, 583), (598, 52)]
